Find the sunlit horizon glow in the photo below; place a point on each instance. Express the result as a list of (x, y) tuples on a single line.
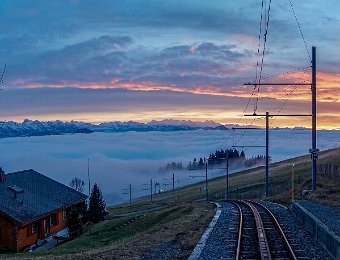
[(220, 117)]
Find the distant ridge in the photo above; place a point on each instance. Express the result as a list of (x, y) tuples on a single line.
[(41, 128)]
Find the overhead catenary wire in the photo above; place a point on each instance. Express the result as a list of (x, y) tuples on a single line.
[(257, 60), (2, 76), (287, 95), (301, 33), (285, 73), (265, 37), (265, 13), (243, 133), (267, 19), (259, 74), (259, 42)]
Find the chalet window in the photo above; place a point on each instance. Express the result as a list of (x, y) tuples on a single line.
[(53, 220), (34, 228), (64, 215)]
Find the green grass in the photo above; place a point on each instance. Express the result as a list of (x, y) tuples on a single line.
[(122, 209), (106, 233)]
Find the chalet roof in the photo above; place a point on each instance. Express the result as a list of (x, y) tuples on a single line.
[(28, 195)]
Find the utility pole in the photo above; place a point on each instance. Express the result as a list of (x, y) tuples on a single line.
[(314, 151), (227, 174), (206, 181), (258, 146), (130, 193), (293, 182), (267, 115), (202, 176), (151, 190), (88, 176), (267, 153), (173, 186)]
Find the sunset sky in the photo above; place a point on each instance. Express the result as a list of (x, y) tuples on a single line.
[(140, 60)]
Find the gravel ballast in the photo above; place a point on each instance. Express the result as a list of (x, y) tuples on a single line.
[(296, 232), (221, 242)]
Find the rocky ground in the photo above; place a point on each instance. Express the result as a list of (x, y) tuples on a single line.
[(221, 240), (220, 244), (295, 231)]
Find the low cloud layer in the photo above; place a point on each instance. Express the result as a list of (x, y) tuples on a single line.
[(120, 159)]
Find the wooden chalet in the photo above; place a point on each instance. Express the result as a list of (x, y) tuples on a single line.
[(33, 207)]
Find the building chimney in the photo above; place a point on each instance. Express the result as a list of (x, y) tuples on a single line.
[(3, 178), (16, 190)]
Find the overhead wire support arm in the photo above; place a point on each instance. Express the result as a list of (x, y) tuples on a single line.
[(277, 84), (251, 146), (281, 115), (248, 128)]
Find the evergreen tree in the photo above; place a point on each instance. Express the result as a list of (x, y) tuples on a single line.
[(190, 165), (97, 205), (200, 163), (194, 164), (76, 217)]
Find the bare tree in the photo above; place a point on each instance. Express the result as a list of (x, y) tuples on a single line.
[(77, 184)]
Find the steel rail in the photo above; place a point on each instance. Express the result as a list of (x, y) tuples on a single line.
[(238, 248), (287, 245), (263, 242)]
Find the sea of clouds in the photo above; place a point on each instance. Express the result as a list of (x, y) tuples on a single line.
[(120, 159)]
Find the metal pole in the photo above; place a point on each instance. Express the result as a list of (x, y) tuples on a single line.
[(267, 153), (314, 155), (88, 176), (130, 193), (173, 186), (227, 174), (292, 181), (151, 189), (206, 181)]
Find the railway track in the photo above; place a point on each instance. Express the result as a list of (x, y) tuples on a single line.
[(259, 234)]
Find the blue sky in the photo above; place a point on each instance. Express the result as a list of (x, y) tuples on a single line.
[(65, 58)]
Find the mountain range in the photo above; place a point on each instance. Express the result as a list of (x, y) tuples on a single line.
[(39, 128)]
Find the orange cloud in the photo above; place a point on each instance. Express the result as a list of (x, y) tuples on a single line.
[(328, 99), (327, 87)]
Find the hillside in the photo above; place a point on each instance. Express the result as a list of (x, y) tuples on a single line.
[(177, 227)]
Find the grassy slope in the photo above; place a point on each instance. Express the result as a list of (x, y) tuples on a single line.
[(328, 188), (125, 239)]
